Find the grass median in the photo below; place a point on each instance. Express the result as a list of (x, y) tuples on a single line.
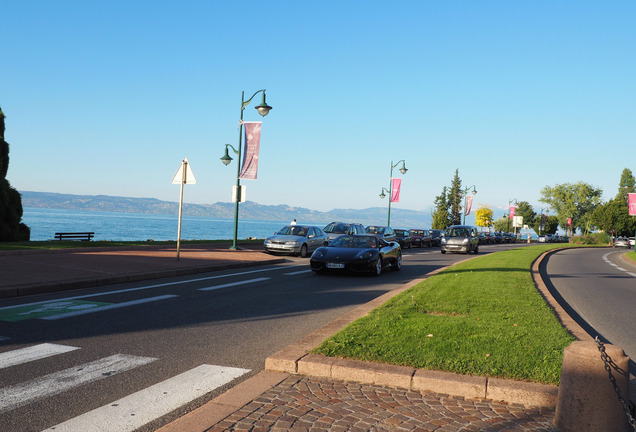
[(479, 317)]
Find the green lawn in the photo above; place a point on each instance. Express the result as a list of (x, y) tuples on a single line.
[(631, 255), (481, 317)]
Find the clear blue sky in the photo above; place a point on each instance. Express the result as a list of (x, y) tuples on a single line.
[(109, 97)]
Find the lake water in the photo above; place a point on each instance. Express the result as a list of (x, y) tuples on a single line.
[(44, 223)]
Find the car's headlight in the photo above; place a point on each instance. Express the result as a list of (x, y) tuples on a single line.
[(268, 241), (465, 241), (365, 255), (318, 254), (291, 243), (443, 240)]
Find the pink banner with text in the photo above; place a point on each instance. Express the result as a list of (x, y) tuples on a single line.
[(251, 149), (469, 204), (395, 189), (632, 204)]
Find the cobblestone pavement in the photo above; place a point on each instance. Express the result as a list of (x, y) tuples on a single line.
[(302, 403)]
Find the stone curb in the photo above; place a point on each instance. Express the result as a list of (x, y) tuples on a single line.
[(296, 359)]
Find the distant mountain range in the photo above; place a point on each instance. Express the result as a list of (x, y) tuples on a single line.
[(248, 210)]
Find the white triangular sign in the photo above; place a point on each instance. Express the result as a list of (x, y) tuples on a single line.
[(189, 178)]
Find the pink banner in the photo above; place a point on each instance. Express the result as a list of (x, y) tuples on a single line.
[(632, 204), (395, 189), (469, 204), (569, 221), (251, 149), (512, 212)]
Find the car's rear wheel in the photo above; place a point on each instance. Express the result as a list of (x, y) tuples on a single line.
[(303, 251), (443, 251), (378, 267)]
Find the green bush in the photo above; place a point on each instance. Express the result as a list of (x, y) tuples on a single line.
[(591, 239)]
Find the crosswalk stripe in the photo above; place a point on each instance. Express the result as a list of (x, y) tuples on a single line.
[(107, 307), (233, 284), (36, 352), (55, 383), (136, 410)]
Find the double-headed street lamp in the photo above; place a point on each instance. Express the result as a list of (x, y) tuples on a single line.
[(263, 110), (403, 170), (474, 188)]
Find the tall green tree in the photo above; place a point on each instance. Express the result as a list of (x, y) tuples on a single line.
[(523, 208), (456, 199), (614, 214), (441, 215), (572, 201), (11, 227)]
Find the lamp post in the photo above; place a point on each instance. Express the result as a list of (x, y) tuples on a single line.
[(474, 188), (514, 200), (541, 222), (403, 170), (263, 110)]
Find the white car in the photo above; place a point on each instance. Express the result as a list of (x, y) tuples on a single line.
[(632, 242), (621, 242)]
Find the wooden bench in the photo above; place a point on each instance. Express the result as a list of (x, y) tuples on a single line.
[(82, 236)]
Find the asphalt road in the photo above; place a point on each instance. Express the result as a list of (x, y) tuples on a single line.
[(146, 334), (598, 289)]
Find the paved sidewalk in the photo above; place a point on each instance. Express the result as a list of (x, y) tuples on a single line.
[(41, 271)]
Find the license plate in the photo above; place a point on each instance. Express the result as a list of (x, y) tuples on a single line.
[(277, 246), (335, 265)]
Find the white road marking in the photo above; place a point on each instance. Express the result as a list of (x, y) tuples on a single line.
[(36, 352), (58, 382), (233, 284), (107, 307), (606, 259), (631, 274), (298, 272), (148, 287), (134, 411)]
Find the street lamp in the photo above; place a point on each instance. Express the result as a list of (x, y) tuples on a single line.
[(403, 170), (541, 225), (263, 110), (474, 188)]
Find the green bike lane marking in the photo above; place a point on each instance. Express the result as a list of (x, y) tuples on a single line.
[(35, 311)]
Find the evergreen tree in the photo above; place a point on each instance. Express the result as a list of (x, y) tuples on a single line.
[(441, 215), (11, 229), (455, 200)]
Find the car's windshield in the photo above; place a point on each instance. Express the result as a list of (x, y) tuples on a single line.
[(337, 228), (375, 230), (458, 232), (295, 230), (359, 242), (400, 232), (417, 232)]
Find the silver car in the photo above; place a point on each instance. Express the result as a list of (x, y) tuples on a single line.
[(460, 238), (296, 240), (621, 242)]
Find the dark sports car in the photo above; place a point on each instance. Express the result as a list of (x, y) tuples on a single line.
[(357, 253)]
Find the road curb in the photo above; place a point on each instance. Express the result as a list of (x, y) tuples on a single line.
[(297, 359)]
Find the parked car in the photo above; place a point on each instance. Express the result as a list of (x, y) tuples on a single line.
[(421, 237), (404, 238), (621, 242), (542, 238), (357, 253), (336, 229), (296, 240), (436, 237), (632, 242), (460, 238), (383, 232)]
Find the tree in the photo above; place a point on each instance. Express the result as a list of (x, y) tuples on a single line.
[(524, 209), (613, 215), (455, 198), (575, 201), (626, 184), (11, 229), (483, 216), (441, 215)]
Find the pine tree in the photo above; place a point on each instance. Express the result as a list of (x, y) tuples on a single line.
[(455, 199), (11, 229), (441, 215)]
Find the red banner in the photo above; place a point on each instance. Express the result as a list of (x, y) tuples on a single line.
[(632, 204), (395, 189), (469, 204), (569, 221), (251, 149), (512, 212)]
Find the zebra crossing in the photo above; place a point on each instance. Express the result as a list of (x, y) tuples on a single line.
[(126, 414)]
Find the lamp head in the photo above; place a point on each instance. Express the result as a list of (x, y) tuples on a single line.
[(226, 159), (263, 108), (403, 170), (382, 195)]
